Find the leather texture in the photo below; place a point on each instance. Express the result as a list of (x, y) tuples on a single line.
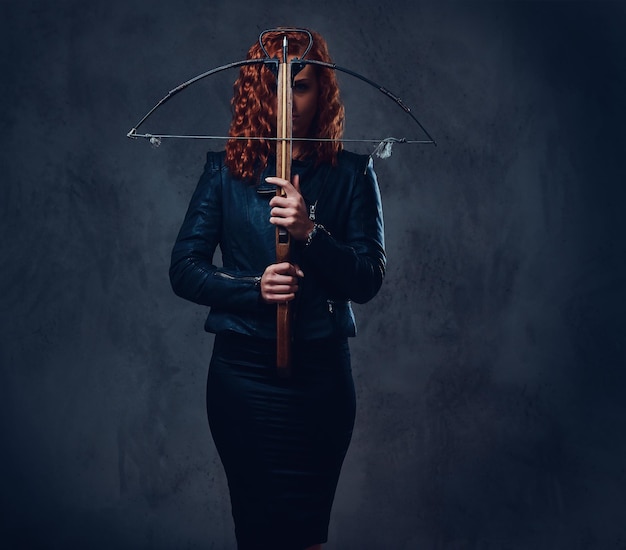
[(344, 263)]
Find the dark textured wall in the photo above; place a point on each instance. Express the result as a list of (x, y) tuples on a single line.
[(490, 370)]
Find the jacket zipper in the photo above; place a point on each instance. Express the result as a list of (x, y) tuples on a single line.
[(256, 280)]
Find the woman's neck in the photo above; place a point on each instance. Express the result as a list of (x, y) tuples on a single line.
[(299, 151)]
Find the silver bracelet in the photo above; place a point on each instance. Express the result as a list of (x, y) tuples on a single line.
[(313, 232)]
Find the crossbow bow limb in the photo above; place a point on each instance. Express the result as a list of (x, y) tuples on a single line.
[(384, 145)]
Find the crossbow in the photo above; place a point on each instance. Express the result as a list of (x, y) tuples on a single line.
[(285, 70)]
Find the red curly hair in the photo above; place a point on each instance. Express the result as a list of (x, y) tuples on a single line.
[(254, 112)]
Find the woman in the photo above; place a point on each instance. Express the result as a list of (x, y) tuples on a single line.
[(282, 441)]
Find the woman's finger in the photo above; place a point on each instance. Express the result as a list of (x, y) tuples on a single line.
[(283, 184)]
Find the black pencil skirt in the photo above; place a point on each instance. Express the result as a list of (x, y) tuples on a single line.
[(282, 441)]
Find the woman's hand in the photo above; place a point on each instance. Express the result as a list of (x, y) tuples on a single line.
[(279, 282), (290, 211)]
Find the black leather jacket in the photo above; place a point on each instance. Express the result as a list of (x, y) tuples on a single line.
[(346, 262)]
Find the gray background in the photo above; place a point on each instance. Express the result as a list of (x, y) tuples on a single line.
[(489, 369)]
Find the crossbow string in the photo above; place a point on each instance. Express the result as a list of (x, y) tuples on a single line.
[(384, 145)]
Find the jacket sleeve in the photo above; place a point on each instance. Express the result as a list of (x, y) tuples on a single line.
[(193, 275), (354, 268)]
